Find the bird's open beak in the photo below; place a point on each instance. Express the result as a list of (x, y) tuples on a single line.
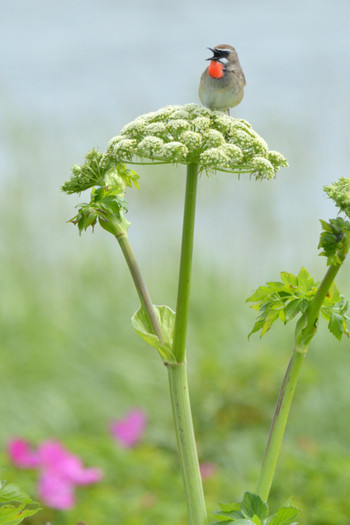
[(213, 57)]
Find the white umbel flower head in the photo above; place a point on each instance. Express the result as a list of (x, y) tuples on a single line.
[(189, 134)]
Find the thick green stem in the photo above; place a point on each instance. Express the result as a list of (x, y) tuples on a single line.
[(180, 401), (140, 285), (183, 296), (305, 330), (305, 334), (278, 425), (177, 373)]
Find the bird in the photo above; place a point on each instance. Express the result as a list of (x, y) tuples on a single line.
[(222, 83)]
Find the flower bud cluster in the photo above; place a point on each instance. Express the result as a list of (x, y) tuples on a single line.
[(194, 134), (339, 191), (187, 134)]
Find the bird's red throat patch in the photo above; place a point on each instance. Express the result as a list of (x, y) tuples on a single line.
[(216, 69)]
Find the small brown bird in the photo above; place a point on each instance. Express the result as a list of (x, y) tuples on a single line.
[(222, 83)]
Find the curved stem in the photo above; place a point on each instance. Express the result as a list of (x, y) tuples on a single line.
[(140, 285), (191, 476), (278, 424), (313, 311), (183, 295), (305, 330)]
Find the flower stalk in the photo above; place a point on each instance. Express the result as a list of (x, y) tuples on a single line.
[(184, 286), (141, 288), (205, 141), (177, 373), (305, 330), (186, 444)]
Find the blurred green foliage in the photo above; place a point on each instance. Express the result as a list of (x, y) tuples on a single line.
[(71, 362)]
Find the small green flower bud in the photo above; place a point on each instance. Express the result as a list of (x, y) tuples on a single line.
[(158, 129), (180, 134), (134, 129), (214, 157), (150, 147), (176, 126), (201, 124), (191, 139), (339, 191), (175, 151), (125, 148), (214, 138), (261, 168)]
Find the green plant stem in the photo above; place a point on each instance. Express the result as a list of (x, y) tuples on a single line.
[(180, 401), (305, 330), (183, 295), (140, 285), (306, 333), (278, 425)]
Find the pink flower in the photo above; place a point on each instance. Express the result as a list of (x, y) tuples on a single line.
[(129, 431), (207, 470), (60, 471), (54, 458), (55, 491), (21, 455)]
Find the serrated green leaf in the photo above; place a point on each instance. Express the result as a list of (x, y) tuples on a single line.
[(325, 226), (15, 505), (261, 293), (305, 281), (333, 295), (336, 325), (276, 285), (271, 318), (284, 516), (289, 279), (252, 504), (258, 325), (291, 310), (166, 318)]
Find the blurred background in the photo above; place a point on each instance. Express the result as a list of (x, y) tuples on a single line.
[(72, 74)]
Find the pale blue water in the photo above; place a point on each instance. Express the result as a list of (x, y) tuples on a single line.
[(73, 73)]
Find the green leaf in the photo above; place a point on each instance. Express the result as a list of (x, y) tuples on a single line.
[(252, 505), (284, 516), (270, 319), (285, 300), (291, 310), (261, 293), (335, 240), (15, 505), (222, 522), (256, 512), (289, 279), (336, 325), (166, 318), (305, 281)]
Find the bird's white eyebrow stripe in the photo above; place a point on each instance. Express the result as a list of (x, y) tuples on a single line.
[(224, 49)]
